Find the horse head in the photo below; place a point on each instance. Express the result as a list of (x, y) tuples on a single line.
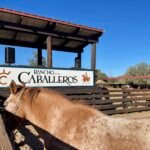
[(13, 103)]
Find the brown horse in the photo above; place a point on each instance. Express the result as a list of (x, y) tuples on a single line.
[(77, 125)]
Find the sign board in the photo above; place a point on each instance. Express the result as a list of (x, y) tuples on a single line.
[(39, 77)]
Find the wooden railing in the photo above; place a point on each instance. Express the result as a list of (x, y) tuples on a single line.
[(108, 101), (111, 101)]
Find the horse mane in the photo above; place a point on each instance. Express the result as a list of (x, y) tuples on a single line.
[(32, 93)]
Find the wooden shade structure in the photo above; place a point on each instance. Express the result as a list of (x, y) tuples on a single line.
[(27, 30)]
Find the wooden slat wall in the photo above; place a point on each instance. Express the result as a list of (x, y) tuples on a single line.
[(111, 101), (4, 93), (108, 101)]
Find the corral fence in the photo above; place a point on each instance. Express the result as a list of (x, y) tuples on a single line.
[(109, 101), (116, 101)]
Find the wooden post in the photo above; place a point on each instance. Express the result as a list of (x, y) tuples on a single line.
[(78, 60), (39, 53), (93, 56), (49, 52)]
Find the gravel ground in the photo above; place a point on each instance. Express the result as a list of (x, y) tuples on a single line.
[(135, 115)]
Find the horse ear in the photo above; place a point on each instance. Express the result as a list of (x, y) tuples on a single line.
[(13, 87)]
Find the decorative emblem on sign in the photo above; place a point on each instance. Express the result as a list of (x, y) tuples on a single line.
[(85, 78), (2, 76)]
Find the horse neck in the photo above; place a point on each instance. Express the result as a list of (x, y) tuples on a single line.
[(45, 107)]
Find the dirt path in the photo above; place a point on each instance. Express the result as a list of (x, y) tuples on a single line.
[(136, 115)]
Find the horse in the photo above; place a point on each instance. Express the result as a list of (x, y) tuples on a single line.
[(76, 124)]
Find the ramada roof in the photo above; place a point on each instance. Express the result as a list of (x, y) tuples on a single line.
[(28, 30)]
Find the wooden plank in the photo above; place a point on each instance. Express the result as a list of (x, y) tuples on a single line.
[(126, 100), (105, 107), (112, 112), (95, 90), (81, 97), (4, 140), (35, 45), (121, 95), (112, 101), (4, 92), (130, 90), (122, 105), (77, 91)]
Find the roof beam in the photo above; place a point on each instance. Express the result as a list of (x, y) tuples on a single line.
[(18, 22), (83, 45), (50, 26), (97, 35), (35, 45), (76, 31), (20, 19), (38, 31), (64, 43)]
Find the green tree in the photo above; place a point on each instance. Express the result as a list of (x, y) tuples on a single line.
[(33, 61), (141, 69), (100, 74)]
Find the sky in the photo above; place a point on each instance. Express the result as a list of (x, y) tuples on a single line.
[(125, 42)]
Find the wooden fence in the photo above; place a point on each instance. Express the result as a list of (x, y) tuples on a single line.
[(111, 101), (108, 101)]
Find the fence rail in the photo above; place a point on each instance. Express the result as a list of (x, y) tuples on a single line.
[(108, 101), (111, 101)]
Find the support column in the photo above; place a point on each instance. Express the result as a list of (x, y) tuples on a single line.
[(39, 57), (49, 51), (93, 56), (78, 60)]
